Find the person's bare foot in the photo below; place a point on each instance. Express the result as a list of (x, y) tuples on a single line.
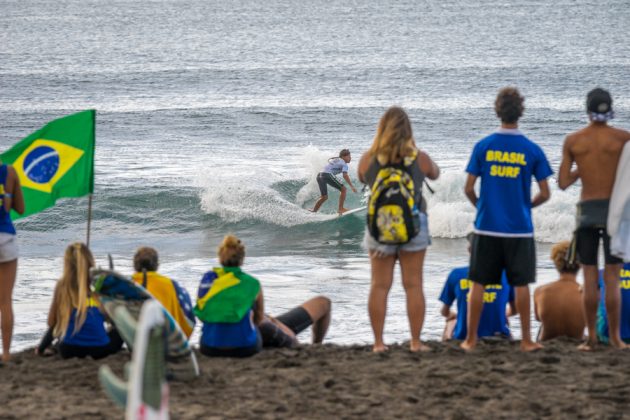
[(619, 345), (528, 346), (379, 348), (468, 345), (343, 210), (417, 346), (587, 346)]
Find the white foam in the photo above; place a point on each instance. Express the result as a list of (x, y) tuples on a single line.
[(451, 215), (193, 101)]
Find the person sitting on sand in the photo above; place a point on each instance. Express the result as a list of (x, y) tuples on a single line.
[(231, 307), (558, 305), (327, 177), (394, 146), (75, 317), (602, 318), (494, 316), (168, 292)]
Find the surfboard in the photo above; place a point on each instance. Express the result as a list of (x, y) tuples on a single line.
[(353, 211), (115, 289)]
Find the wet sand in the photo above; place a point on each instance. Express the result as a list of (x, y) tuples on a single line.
[(346, 382)]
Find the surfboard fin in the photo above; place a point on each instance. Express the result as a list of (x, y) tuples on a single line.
[(114, 387), (145, 394)]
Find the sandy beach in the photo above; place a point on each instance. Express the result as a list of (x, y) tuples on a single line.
[(346, 382)]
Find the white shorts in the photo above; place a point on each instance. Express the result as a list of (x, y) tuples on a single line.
[(8, 247)]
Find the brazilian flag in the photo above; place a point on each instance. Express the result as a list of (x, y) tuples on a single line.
[(54, 162)]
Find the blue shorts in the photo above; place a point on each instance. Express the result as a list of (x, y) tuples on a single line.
[(418, 243)]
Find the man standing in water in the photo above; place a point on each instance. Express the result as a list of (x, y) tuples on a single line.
[(327, 177), (505, 161), (596, 150)]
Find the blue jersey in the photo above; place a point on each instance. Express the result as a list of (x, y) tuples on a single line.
[(602, 318), (493, 318), (6, 225), (506, 161), (223, 334), (92, 333)]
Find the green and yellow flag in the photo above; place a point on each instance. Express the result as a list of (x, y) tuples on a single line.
[(54, 162)]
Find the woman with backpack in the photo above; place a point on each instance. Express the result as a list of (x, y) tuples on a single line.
[(397, 220)]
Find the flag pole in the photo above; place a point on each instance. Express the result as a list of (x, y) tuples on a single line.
[(89, 219)]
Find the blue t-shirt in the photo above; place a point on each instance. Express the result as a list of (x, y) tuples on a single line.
[(225, 335), (336, 166), (506, 161), (602, 318), (92, 333), (493, 319)]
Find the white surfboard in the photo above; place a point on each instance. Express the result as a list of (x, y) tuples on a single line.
[(353, 211)]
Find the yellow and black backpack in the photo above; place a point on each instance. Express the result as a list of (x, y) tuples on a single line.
[(392, 215)]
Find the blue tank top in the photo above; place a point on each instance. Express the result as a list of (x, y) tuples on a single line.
[(92, 332), (223, 335), (6, 225)]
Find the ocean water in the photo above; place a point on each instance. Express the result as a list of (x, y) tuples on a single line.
[(215, 117)]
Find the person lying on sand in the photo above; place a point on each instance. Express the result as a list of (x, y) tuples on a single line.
[(171, 295), (281, 331), (231, 306), (596, 150), (494, 315), (558, 305), (75, 317), (602, 318)]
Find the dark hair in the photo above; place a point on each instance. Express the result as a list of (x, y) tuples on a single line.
[(509, 105), (146, 258), (344, 152)]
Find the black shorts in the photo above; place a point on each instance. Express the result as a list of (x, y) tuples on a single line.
[(297, 320), (324, 179), (587, 246), (490, 255)]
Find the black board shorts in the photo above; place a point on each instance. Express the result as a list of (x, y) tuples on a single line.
[(592, 216), (490, 255), (297, 320), (324, 179)]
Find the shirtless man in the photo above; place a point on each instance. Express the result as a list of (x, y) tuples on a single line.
[(558, 305), (596, 150)]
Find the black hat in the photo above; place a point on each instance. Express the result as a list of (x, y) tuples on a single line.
[(598, 101)]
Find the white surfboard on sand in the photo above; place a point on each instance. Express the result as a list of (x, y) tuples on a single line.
[(353, 211)]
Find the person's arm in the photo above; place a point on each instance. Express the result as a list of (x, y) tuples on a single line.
[(511, 309), (536, 317), (447, 313), (566, 176), (347, 178), (543, 195), (16, 199), (469, 189), (364, 163), (52, 312), (428, 167), (259, 308)]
